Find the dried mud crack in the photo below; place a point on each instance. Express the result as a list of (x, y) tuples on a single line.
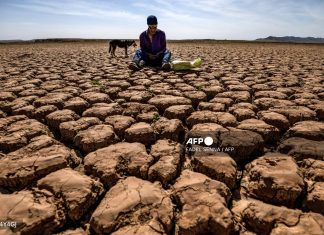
[(86, 147)]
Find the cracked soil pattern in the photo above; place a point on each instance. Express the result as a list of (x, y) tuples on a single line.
[(86, 147)]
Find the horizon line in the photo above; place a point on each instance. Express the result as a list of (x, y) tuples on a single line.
[(77, 38)]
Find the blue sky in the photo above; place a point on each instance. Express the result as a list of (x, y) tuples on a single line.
[(180, 19)]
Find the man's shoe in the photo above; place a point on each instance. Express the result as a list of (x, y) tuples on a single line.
[(141, 63), (166, 66), (133, 66)]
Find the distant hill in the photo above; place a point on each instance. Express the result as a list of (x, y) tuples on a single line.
[(63, 40), (68, 40), (55, 40), (46, 40), (288, 39), (11, 41), (292, 39)]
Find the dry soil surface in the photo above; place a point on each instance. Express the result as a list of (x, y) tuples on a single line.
[(87, 147)]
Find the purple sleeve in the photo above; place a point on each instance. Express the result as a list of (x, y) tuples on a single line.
[(163, 42), (142, 42)]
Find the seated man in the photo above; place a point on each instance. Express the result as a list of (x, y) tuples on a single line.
[(153, 50)]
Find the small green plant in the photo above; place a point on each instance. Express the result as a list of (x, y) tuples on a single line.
[(131, 74), (199, 87), (156, 117), (150, 91), (95, 82)]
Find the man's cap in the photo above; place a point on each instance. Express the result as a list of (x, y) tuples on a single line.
[(152, 20)]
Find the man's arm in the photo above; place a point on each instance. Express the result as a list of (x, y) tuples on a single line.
[(142, 43), (163, 44)]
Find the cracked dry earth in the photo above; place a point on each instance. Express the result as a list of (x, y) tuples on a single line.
[(88, 148)]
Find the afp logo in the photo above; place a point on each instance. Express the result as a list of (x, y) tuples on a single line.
[(207, 140)]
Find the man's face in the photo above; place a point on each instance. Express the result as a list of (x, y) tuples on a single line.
[(152, 29)]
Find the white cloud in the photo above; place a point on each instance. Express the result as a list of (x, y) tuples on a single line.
[(180, 19), (76, 8)]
